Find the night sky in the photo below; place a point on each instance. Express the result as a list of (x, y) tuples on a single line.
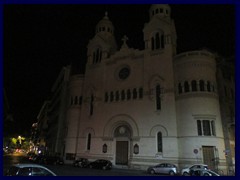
[(40, 39)]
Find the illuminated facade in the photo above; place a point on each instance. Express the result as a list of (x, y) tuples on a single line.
[(142, 107)]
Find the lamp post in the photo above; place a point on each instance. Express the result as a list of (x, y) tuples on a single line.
[(20, 140)]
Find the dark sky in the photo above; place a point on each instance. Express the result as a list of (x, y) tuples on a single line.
[(40, 39)]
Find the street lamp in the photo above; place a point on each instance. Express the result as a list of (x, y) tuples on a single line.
[(20, 140)]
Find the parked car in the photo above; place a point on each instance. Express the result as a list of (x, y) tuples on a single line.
[(163, 168), (36, 158), (203, 172), (32, 157), (100, 164), (29, 170), (53, 160), (81, 162), (186, 171)]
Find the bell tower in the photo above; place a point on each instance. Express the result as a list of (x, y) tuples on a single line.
[(159, 32), (103, 44)]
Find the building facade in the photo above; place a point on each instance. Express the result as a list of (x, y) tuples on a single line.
[(141, 107)]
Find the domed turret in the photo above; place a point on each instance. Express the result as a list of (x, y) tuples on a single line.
[(103, 44), (105, 25), (160, 10)]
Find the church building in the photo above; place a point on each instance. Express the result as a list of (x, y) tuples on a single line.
[(138, 108)]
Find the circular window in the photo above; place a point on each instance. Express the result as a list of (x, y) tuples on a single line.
[(124, 73)]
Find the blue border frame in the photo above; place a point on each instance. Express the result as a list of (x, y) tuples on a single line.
[(237, 65), (119, 1)]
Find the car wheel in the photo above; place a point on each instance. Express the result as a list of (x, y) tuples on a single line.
[(171, 173), (205, 174), (185, 174), (152, 172)]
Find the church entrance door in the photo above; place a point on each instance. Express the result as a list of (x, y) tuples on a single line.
[(122, 152)]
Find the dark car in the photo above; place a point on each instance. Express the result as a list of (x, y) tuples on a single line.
[(29, 170), (163, 168), (101, 164), (37, 158), (81, 162), (53, 160)]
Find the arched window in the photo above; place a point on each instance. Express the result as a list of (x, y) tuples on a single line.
[(162, 41), (89, 142), (201, 84), (76, 100), (123, 95), (111, 96), (158, 97), (117, 95), (97, 56), (152, 42), (208, 86), (157, 38), (159, 142), (128, 94), (80, 100), (186, 86), (91, 104), (134, 93), (194, 85), (157, 41)]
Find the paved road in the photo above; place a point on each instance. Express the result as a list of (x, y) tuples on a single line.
[(69, 170)]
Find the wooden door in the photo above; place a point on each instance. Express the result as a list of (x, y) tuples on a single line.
[(122, 152), (208, 156)]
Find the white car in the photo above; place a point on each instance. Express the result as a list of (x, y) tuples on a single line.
[(185, 171), (29, 170)]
